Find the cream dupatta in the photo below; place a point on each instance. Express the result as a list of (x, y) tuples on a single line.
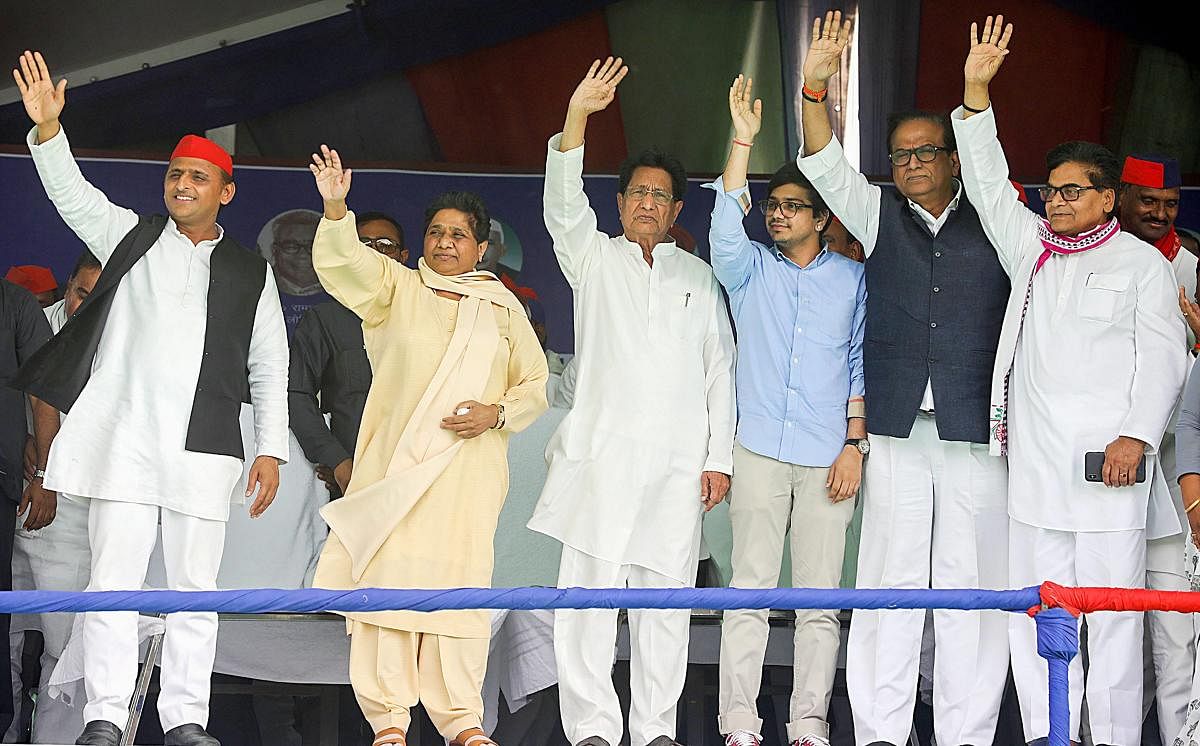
[(425, 449)]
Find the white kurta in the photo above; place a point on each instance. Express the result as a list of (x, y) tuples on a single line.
[(124, 437), (1096, 357), (654, 404)]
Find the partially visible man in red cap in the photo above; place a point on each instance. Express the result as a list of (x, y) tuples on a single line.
[(1148, 205), (182, 327), (37, 280)]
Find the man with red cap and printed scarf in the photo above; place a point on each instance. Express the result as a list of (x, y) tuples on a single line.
[(1089, 361), (1147, 207), (182, 327)]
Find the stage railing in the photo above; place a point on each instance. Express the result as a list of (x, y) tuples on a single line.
[(1054, 608)]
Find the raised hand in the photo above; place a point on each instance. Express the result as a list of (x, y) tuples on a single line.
[(825, 49), (598, 88), (43, 100), (747, 117), (987, 52), (332, 181)]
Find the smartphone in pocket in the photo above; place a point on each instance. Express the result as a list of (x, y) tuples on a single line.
[(1093, 467)]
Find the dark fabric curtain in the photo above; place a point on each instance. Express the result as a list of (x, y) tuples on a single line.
[(795, 30), (889, 35)]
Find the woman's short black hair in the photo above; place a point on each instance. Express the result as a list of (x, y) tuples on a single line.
[(465, 202)]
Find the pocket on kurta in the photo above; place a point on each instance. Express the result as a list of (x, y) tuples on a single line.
[(1101, 296), (684, 320)]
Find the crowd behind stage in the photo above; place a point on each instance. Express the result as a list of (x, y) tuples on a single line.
[(1004, 394)]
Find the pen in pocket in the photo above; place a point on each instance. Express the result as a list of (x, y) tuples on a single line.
[(687, 299)]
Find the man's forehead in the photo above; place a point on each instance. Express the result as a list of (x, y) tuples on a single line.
[(378, 229), (1152, 193), (650, 175), (917, 132), (187, 164)]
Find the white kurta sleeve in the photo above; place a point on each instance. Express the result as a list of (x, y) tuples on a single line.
[(1009, 225), (568, 215), (268, 368), (99, 223), (719, 357), (1159, 370), (853, 199)]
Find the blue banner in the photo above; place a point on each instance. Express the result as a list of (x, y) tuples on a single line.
[(275, 211)]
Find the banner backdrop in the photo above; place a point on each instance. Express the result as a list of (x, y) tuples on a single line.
[(275, 211)]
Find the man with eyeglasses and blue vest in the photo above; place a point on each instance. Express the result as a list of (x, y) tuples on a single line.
[(934, 500)]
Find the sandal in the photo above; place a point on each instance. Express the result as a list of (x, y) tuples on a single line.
[(389, 739), (478, 739)]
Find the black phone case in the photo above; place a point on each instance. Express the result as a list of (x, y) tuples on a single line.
[(1093, 467)]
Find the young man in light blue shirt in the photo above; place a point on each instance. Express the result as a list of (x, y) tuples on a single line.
[(799, 310)]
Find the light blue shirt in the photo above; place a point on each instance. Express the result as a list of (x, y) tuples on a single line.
[(800, 336)]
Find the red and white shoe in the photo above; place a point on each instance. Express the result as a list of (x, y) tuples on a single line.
[(812, 739), (743, 738)]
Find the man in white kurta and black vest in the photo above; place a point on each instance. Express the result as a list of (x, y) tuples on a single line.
[(648, 446), (151, 372), (1089, 362), (933, 499)]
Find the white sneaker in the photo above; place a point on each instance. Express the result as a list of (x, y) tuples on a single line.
[(812, 739), (743, 738)]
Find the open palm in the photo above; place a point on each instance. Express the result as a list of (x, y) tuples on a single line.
[(43, 100), (825, 48), (332, 181), (747, 116), (987, 52), (599, 87)]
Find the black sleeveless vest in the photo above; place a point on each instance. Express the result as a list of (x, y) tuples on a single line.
[(58, 372)]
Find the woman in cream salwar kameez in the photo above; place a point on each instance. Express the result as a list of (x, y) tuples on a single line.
[(457, 368)]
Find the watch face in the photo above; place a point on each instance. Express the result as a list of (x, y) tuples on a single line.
[(864, 446)]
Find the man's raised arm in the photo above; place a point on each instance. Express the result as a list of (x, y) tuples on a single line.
[(86, 210), (569, 217), (731, 252), (1007, 223), (849, 195)]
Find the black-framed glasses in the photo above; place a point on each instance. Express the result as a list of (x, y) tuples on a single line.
[(789, 207), (660, 196), (924, 154), (381, 244), (1069, 192)]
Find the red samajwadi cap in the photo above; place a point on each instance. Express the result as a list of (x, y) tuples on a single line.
[(33, 278), (1151, 171), (194, 146)]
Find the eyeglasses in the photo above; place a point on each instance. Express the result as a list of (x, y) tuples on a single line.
[(1069, 192), (925, 154), (381, 244), (789, 208), (660, 197)]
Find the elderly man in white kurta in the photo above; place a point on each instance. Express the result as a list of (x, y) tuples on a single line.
[(648, 446), (1093, 335), (151, 372)]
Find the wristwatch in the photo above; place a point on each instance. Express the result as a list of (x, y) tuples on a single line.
[(499, 417), (39, 474), (862, 444)]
